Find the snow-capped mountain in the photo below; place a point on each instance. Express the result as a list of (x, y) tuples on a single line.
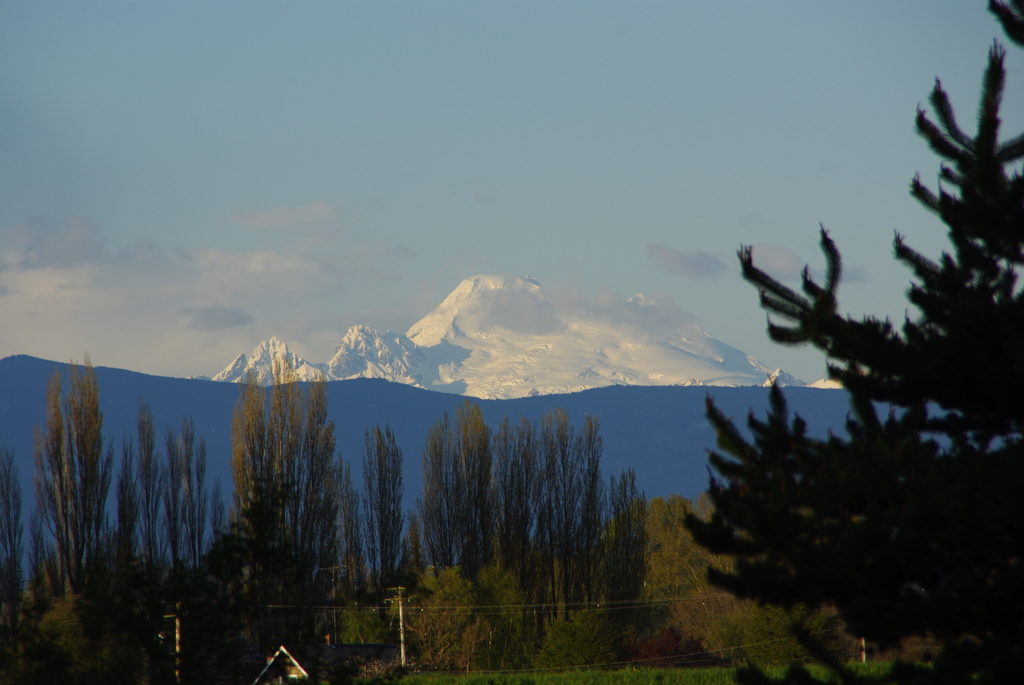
[(362, 353), (261, 362), (505, 336)]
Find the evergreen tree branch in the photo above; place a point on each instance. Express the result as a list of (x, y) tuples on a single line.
[(1011, 16)]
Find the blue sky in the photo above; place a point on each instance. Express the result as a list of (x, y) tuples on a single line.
[(179, 181)]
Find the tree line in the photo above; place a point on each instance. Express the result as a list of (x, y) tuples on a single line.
[(518, 552)]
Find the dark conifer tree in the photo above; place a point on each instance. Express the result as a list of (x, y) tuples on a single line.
[(911, 523)]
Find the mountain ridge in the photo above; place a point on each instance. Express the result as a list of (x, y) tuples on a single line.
[(661, 431), (502, 337)]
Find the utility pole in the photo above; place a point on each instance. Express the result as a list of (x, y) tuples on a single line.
[(401, 618), (334, 602), (177, 640)]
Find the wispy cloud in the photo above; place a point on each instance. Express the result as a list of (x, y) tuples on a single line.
[(693, 264), (855, 274), (549, 310), (217, 317), (778, 262), (644, 316), (161, 309), (786, 265), (521, 311), (283, 217), (39, 244), (752, 219), (400, 251)]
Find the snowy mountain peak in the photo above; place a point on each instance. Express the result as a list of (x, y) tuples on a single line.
[(480, 303), (262, 360), (505, 336), (782, 379), (640, 301), (233, 371), (362, 353)]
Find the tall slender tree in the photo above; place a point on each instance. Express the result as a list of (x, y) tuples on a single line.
[(12, 548), (149, 477), (457, 508), (193, 505), (382, 476), (560, 511), (73, 471), (126, 530), (592, 512), (441, 503), (473, 482), (626, 554), (174, 499), (517, 480), (285, 469), (350, 534)]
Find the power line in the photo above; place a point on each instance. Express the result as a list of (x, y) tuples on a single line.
[(611, 605), (660, 658)]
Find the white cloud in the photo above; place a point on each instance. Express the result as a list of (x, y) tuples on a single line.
[(165, 310), (644, 317), (778, 262), (652, 317), (38, 244), (786, 265), (217, 317), (689, 263), (521, 311), (283, 217), (400, 251)]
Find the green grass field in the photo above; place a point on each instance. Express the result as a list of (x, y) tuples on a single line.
[(682, 676)]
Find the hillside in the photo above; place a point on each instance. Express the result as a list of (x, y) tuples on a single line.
[(659, 431)]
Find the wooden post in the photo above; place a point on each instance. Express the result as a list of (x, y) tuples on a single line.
[(177, 640), (333, 638), (401, 619)]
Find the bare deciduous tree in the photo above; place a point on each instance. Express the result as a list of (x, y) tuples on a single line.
[(350, 532), (516, 482), (440, 506), (285, 471), (625, 548), (150, 480), (73, 474), (125, 542), (382, 476), (592, 512), (473, 482), (12, 548), (186, 502)]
